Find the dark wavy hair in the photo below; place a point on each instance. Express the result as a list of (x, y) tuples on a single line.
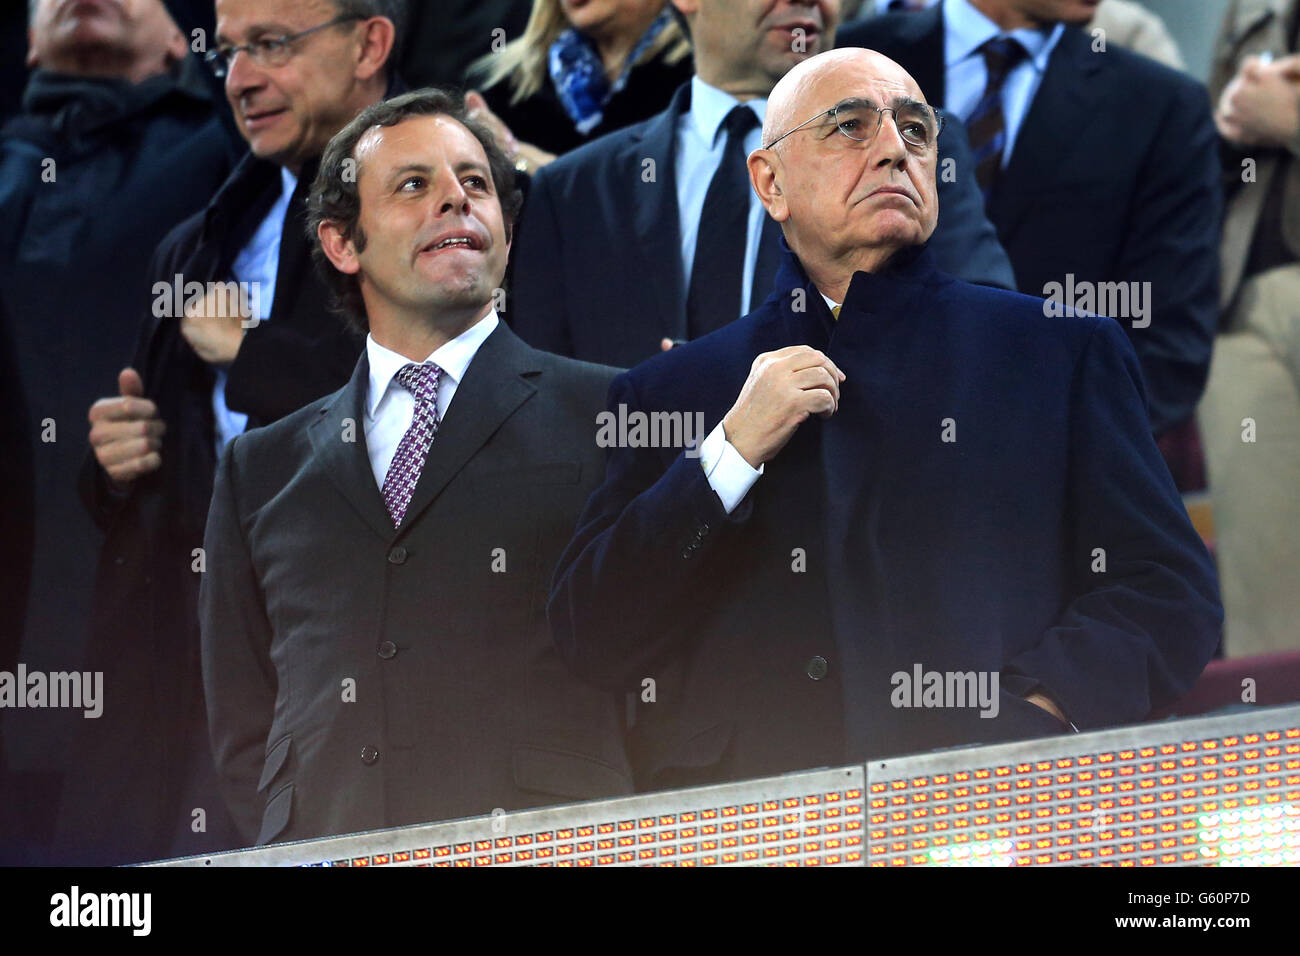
[(335, 198)]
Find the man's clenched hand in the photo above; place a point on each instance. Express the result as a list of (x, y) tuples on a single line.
[(784, 387)]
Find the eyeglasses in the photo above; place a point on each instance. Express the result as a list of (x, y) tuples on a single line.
[(268, 50), (858, 119)]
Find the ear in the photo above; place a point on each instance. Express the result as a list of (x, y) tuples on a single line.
[(33, 61), (376, 47), (765, 176), (177, 46), (338, 250)]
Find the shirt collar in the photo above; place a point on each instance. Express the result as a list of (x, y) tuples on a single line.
[(288, 181), (710, 106), (966, 30), (452, 357)]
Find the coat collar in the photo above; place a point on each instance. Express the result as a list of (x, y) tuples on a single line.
[(891, 292), (498, 381)]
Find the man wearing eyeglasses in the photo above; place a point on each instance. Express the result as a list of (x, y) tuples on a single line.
[(670, 198), (240, 333), (907, 478), (1099, 168)]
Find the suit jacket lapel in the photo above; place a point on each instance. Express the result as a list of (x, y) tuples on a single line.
[(655, 216), (926, 50), (495, 385), (338, 439), (1060, 117)]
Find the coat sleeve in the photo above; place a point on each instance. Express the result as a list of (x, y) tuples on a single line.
[(1172, 246), (638, 567), (239, 678), (965, 242), (1146, 617), (536, 310), (100, 498)]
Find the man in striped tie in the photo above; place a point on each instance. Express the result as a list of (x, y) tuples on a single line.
[(375, 650)]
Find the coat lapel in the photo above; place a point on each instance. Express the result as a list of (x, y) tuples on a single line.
[(495, 385), (655, 216), (338, 439), (1061, 117)]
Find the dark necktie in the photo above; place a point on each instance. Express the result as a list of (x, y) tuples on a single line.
[(404, 470), (719, 266), (986, 125)]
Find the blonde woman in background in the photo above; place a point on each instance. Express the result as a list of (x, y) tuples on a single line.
[(582, 68)]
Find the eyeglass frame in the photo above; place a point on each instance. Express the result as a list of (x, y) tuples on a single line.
[(938, 117), (225, 57)]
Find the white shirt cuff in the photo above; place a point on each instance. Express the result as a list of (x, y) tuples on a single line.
[(725, 468)]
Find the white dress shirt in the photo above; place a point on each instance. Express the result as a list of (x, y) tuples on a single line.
[(965, 30), (258, 262), (725, 468), (701, 141), (390, 407)]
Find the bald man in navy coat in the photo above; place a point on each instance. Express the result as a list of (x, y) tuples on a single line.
[(907, 479)]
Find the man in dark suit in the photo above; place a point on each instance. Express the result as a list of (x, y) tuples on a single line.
[(239, 334), (906, 476), (375, 648), (1099, 166), (652, 234)]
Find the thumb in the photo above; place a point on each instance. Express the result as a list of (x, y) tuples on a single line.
[(129, 383)]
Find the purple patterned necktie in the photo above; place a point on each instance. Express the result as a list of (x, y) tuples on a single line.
[(422, 382)]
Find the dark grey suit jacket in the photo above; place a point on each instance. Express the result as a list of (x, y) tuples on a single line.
[(437, 629)]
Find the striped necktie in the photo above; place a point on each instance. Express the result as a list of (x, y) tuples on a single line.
[(987, 124)]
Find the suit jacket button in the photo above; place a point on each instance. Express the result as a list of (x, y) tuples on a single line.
[(388, 650), (817, 667), (369, 755), (397, 555)]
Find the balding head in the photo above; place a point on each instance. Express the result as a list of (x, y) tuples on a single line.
[(845, 205), (798, 92)]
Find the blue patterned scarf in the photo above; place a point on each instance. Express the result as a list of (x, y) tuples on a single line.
[(579, 76)]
